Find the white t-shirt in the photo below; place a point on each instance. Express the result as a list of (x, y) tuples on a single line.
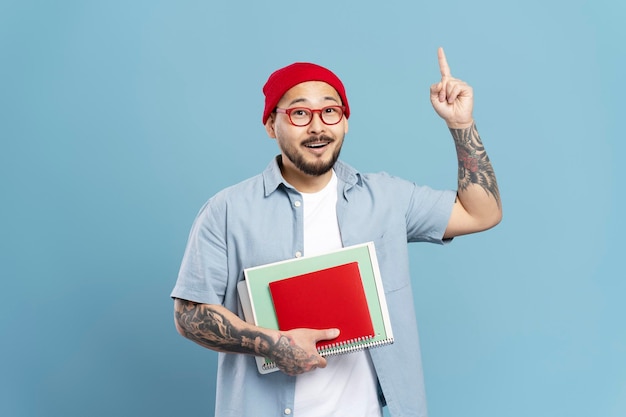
[(347, 386)]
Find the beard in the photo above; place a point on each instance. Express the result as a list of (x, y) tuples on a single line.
[(316, 168)]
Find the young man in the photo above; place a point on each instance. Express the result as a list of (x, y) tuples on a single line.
[(307, 202)]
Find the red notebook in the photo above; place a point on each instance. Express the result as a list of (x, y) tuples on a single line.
[(328, 298)]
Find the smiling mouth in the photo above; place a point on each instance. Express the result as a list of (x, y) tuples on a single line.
[(317, 143)]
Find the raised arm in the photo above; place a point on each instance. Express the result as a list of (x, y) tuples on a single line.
[(217, 328), (478, 206)]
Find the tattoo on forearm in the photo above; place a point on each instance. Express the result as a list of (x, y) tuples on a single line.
[(291, 360), (474, 164), (211, 328)]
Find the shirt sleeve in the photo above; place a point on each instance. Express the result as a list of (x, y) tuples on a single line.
[(428, 214), (203, 272)]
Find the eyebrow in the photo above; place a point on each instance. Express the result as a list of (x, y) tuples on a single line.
[(304, 100)]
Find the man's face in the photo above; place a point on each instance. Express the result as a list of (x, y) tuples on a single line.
[(311, 149)]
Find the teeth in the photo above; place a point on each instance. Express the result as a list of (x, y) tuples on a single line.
[(316, 145)]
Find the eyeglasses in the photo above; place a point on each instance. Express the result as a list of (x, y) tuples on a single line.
[(302, 116)]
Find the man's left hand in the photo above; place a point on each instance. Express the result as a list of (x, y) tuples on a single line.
[(452, 99)]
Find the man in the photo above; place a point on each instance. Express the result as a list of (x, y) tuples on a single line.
[(308, 202)]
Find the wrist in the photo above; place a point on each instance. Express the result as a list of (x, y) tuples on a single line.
[(460, 125)]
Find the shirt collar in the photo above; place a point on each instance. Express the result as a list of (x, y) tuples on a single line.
[(272, 178)]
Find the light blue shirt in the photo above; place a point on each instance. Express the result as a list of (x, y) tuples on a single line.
[(260, 220)]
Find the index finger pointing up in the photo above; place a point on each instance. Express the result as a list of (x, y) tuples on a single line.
[(443, 64)]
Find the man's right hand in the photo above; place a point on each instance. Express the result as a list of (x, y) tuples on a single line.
[(295, 352)]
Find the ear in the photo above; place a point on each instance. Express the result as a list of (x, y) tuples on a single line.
[(269, 127)]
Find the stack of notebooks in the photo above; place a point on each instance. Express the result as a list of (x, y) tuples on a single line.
[(340, 289)]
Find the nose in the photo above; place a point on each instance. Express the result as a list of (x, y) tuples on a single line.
[(316, 125)]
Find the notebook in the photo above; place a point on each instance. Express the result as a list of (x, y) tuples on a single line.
[(258, 307), (328, 298)]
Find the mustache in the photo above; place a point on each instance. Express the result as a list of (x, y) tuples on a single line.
[(317, 139)]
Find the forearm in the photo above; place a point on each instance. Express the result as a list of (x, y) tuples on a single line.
[(475, 169), (217, 328), (477, 186)]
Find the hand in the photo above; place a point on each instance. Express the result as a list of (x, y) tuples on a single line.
[(452, 99), (295, 351)]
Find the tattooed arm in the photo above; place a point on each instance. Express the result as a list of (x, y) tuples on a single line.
[(217, 328), (478, 206)]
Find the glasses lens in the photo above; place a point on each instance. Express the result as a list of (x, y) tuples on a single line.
[(331, 115), (300, 116)]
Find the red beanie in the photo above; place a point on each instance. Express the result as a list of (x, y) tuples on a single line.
[(283, 79)]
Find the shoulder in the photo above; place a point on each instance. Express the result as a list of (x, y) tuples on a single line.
[(382, 180), (238, 193), (384, 185), (352, 176)]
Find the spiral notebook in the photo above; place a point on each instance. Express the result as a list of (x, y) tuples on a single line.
[(328, 298), (313, 277)]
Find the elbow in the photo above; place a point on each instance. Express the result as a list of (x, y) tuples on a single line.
[(487, 221), (492, 220), (179, 317), (497, 218), (179, 328)]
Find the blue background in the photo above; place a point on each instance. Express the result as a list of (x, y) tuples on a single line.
[(118, 119)]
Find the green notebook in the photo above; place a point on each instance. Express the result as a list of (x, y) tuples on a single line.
[(258, 308)]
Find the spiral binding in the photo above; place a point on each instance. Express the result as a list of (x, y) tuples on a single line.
[(343, 347)]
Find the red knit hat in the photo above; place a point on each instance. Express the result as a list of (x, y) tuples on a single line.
[(283, 79)]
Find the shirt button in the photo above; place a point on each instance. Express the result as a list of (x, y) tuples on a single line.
[(298, 254), (287, 411), (297, 203)]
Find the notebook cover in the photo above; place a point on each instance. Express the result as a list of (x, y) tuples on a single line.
[(328, 298)]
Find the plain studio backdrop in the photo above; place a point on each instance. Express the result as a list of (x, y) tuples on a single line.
[(119, 119)]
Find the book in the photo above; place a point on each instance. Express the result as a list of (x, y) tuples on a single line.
[(324, 299), (258, 305)]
